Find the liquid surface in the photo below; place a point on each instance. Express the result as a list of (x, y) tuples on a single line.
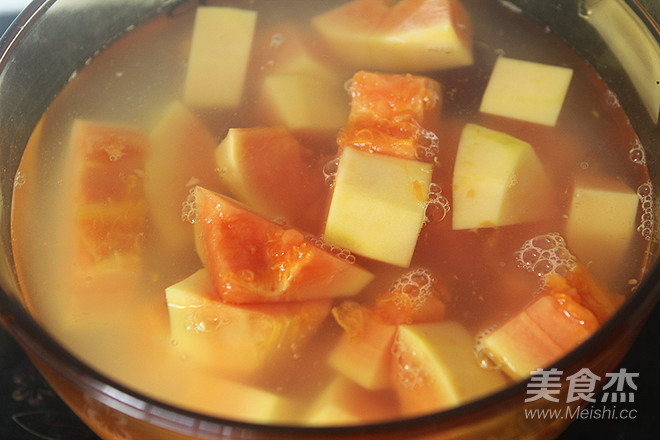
[(490, 273)]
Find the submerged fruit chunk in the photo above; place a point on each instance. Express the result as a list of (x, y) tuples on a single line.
[(111, 211), (392, 114), (363, 351), (219, 56), (180, 157), (435, 368), (252, 259), (267, 169), (345, 402), (498, 180), (551, 326), (378, 205), (408, 35), (526, 90), (601, 224), (238, 340), (301, 101)]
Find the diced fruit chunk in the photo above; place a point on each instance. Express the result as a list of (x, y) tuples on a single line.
[(526, 90), (408, 36), (551, 326), (363, 352), (268, 169), (222, 397), (252, 259), (300, 101), (344, 402), (238, 340), (435, 368), (392, 114), (601, 224), (181, 156), (111, 211), (219, 56), (378, 205), (498, 180)]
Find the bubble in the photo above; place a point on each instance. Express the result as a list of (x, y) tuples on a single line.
[(115, 151), (330, 172), (19, 180), (408, 370), (480, 352), (645, 194), (545, 254), (612, 100), (637, 153), (427, 146), (437, 205), (337, 251), (204, 319), (189, 208), (276, 41)]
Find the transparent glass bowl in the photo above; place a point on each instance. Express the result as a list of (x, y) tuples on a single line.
[(51, 39)]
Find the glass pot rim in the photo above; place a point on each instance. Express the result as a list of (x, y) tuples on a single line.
[(41, 345)]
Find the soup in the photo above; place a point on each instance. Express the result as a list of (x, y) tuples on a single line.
[(200, 244)]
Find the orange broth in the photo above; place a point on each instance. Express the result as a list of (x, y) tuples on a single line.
[(126, 335)]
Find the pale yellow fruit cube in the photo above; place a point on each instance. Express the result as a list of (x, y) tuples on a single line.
[(498, 180), (343, 402), (526, 91), (378, 205), (219, 55), (238, 340), (435, 367), (301, 101), (601, 224)]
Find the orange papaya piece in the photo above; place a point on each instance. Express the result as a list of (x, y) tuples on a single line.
[(111, 213), (392, 114), (252, 259)]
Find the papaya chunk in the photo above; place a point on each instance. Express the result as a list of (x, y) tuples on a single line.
[(391, 114), (434, 367), (566, 313), (238, 340), (408, 35), (287, 187), (363, 351), (252, 259), (111, 214), (181, 156), (344, 402)]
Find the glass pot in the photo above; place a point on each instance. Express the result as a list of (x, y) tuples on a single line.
[(52, 39)]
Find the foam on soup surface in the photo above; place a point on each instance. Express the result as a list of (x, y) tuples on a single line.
[(280, 224)]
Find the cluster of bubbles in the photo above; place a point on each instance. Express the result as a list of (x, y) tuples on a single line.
[(189, 208), (480, 352), (409, 372), (546, 254), (19, 180), (276, 41), (337, 251), (428, 146), (637, 154), (612, 99), (417, 285), (645, 194), (115, 151), (437, 206)]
